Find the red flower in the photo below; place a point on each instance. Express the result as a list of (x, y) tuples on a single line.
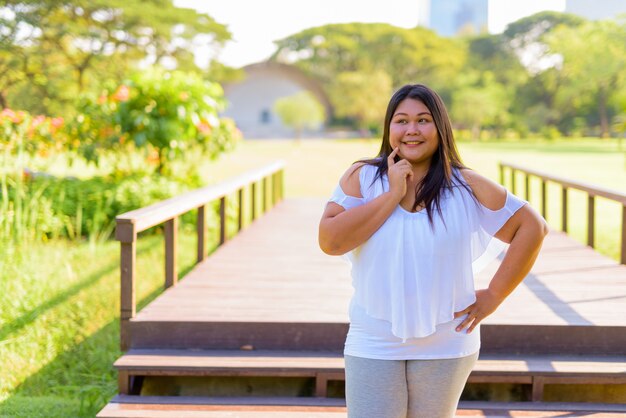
[(122, 93)]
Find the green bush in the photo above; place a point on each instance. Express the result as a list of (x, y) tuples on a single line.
[(166, 112), (77, 208)]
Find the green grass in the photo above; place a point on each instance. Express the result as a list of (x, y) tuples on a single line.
[(59, 305)]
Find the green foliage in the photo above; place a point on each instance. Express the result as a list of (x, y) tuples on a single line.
[(362, 96), (480, 101), (300, 111), (53, 50), (169, 112), (405, 55), (48, 208), (594, 64)]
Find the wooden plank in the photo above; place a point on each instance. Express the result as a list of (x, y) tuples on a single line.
[(222, 215), (127, 291), (623, 236), (591, 189), (123, 382), (564, 209), (287, 288), (330, 366), (171, 252), (150, 406), (201, 234), (537, 389), (158, 213), (591, 210)]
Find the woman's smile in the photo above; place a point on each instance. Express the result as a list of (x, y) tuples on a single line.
[(413, 130)]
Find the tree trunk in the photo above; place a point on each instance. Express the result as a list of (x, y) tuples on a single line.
[(475, 132), (3, 100)]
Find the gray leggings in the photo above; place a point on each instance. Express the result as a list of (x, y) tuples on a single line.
[(405, 388)]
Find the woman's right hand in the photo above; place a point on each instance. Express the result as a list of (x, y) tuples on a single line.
[(398, 174)]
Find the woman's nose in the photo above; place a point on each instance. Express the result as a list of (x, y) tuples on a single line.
[(412, 128)]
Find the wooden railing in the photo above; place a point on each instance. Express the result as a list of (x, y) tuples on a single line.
[(168, 212), (566, 184)]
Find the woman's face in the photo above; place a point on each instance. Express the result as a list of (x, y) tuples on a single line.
[(413, 129)]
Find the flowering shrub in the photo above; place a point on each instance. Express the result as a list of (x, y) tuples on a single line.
[(21, 132), (166, 112)]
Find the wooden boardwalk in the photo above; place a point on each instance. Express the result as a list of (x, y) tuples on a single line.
[(268, 304), (274, 274)]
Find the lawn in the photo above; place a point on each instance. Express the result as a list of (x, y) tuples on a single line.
[(60, 302)]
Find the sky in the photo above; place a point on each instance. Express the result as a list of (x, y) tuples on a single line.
[(255, 24)]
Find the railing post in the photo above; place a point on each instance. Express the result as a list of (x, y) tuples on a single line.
[(222, 220), (253, 201), (544, 198), (281, 184), (264, 194), (125, 233), (564, 209), (501, 169), (239, 209), (513, 181), (273, 190), (171, 252), (127, 290), (201, 232), (623, 252), (527, 186), (591, 208)]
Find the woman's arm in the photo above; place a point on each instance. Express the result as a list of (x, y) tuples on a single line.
[(341, 231), (524, 231)]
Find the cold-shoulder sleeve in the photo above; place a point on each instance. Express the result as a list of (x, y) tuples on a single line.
[(346, 201), (366, 175), (485, 223)]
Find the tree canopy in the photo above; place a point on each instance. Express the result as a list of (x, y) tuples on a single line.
[(56, 49)]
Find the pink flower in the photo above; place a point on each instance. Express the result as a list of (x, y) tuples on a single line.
[(204, 127), (122, 93), (57, 122), (7, 113), (15, 117), (38, 120)]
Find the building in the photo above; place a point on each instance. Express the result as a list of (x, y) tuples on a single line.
[(596, 9), (453, 17), (251, 100)]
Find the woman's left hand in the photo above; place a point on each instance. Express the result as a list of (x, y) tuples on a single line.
[(486, 303)]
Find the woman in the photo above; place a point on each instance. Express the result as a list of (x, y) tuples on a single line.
[(417, 225)]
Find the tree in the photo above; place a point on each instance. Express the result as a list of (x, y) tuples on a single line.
[(362, 96), (406, 55), (300, 111), (537, 95), (594, 64), (66, 47), (478, 103)]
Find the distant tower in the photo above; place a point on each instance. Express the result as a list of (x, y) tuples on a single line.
[(452, 17), (596, 9)]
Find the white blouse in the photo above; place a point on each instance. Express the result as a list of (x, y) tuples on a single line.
[(410, 277)]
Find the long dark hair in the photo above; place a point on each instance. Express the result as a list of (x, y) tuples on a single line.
[(440, 175)]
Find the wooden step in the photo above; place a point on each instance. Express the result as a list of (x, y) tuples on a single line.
[(324, 366), (192, 407), (538, 409), (496, 338)]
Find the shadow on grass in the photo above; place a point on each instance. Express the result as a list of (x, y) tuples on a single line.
[(30, 316), (79, 381)]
